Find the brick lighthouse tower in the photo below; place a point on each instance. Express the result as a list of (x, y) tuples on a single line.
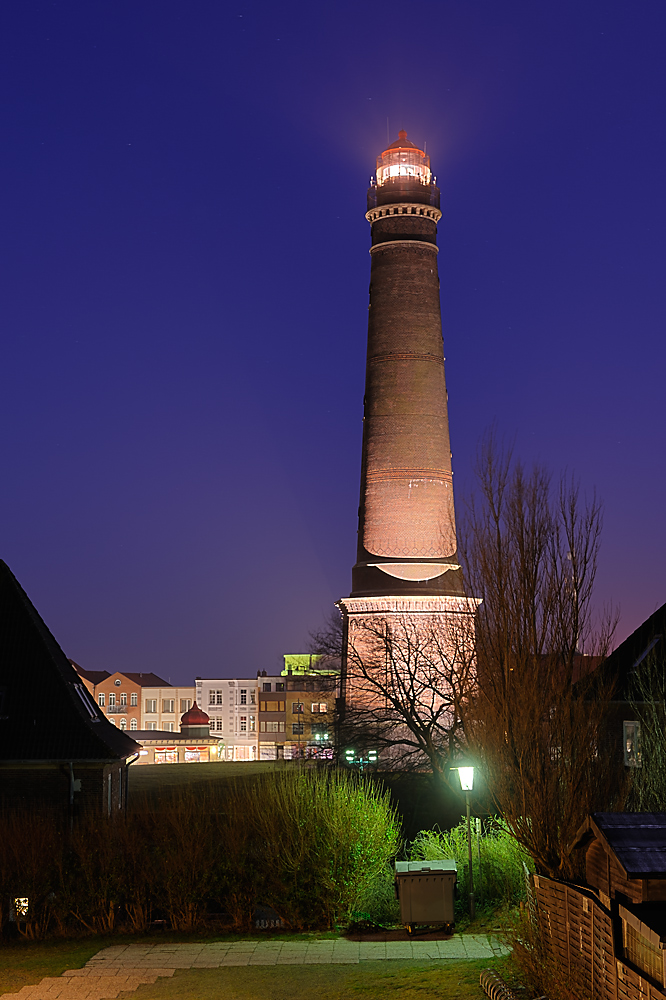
[(406, 561)]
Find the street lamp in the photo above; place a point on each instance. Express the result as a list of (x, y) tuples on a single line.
[(466, 775), (354, 761)]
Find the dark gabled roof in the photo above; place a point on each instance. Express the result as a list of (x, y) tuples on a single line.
[(637, 840), (146, 680), (143, 680), (648, 639), (47, 713), (94, 676)]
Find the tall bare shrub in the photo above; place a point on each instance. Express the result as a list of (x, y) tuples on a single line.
[(535, 721)]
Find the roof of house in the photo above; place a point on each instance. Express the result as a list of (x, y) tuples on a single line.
[(649, 638), (637, 840), (171, 738), (98, 676), (47, 713), (147, 680), (94, 676)]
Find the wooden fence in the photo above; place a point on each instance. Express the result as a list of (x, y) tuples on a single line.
[(578, 932)]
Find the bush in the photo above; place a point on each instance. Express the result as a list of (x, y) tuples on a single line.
[(307, 843), (501, 879)]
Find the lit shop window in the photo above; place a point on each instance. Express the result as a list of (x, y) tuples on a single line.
[(197, 755), (166, 755)]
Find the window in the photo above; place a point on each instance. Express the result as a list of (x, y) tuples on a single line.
[(266, 687), (219, 725), (297, 729), (319, 731), (167, 705), (297, 707), (632, 744), (134, 699), (281, 725), (215, 697), (270, 706), (112, 699), (253, 724), (243, 724), (243, 696), (262, 727), (252, 698), (185, 705), (151, 725), (279, 686), (170, 727), (123, 698), (112, 721), (151, 704), (133, 724), (123, 723), (101, 699), (272, 727), (117, 682)]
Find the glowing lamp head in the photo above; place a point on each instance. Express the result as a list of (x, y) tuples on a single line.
[(466, 775), (403, 160)]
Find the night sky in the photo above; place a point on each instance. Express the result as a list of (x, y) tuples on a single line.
[(185, 284)]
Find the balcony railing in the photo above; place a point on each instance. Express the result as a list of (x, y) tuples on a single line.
[(119, 709)]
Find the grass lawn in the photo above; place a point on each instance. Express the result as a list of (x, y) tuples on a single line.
[(151, 778), (26, 963), (407, 980)]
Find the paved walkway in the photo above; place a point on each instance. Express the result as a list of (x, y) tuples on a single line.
[(125, 967)]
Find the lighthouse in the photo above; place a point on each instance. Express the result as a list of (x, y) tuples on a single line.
[(406, 563)]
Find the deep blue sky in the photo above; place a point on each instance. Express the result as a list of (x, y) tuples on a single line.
[(184, 294)]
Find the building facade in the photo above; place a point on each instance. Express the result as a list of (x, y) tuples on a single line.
[(232, 706), (137, 701)]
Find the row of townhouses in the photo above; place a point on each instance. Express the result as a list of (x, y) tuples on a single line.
[(267, 717)]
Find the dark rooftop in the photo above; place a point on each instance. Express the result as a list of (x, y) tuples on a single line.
[(638, 841), (46, 712)]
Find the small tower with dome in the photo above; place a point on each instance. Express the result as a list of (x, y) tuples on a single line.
[(195, 724)]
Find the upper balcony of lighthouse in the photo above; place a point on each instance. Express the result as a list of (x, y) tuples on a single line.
[(403, 176)]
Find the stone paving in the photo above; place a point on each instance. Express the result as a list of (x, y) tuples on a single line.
[(123, 968)]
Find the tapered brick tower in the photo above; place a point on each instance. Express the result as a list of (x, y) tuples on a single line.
[(406, 535), (406, 558)]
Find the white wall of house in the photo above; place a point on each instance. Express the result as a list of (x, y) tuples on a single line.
[(233, 710)]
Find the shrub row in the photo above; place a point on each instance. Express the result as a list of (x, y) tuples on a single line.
[(308, 844)]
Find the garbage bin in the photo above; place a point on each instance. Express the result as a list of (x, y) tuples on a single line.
[(426, 890)]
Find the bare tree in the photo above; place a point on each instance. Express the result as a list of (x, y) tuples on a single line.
[(327, 639), (535, 721), (407, 677)]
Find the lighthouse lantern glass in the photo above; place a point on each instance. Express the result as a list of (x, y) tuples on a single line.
[(403, 162)]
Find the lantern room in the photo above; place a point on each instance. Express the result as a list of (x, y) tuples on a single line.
[(403, 159), (403, 176)]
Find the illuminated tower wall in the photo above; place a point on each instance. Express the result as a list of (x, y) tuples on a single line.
[(406, 557)]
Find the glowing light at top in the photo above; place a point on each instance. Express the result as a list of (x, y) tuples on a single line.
[(403, 159)]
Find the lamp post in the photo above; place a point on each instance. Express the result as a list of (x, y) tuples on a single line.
[(466, 775)]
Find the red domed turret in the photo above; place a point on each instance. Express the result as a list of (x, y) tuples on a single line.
[(194, 717)]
